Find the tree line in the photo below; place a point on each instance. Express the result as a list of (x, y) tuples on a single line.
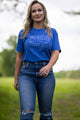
[(8, 57), (73, 74), (14, 5)]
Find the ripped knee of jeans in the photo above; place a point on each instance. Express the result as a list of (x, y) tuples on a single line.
[(45, 116), (25, 112)]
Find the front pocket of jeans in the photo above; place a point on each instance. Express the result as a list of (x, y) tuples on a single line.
[(51, 71)]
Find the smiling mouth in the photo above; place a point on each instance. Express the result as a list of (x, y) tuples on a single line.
[(38, 17)]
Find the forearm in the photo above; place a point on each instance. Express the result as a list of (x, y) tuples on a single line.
[(54, 58), (18, 65)]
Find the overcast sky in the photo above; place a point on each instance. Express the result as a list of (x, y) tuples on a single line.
[(67, 26)]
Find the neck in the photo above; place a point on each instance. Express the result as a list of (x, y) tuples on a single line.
[(38, 25)]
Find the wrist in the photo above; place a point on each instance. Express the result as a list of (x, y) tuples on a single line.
[(16, 77), (49, 66)]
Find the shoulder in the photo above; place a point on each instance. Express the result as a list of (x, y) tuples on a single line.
[(53, 31), (20, 33)]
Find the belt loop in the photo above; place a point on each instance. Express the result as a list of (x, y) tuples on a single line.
[(44, 63), (36, 63), (27, 63)]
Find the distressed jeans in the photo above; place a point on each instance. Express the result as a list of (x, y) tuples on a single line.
[(29, 83)]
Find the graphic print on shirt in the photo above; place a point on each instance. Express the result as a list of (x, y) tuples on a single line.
[(37, 40)]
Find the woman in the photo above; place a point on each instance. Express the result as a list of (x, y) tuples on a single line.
[(37, 51)]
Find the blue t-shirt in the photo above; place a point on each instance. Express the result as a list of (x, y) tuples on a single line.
[(37, 45)]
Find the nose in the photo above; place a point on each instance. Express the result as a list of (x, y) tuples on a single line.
[(37, 13)]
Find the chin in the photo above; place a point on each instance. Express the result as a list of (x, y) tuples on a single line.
[(38, 20)]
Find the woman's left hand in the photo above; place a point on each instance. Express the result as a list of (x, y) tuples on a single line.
[(44, 71)]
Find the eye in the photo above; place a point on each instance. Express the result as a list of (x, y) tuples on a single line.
[(39, 10), (33, 11)]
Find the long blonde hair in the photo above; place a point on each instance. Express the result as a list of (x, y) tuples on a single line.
[(28, 22)]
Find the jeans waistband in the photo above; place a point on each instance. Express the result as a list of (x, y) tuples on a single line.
[(36, 63)]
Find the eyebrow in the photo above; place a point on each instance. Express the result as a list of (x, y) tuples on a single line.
[(38, 9), (35, 9)]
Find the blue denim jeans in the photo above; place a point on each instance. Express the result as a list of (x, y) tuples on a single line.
[(29, 83)]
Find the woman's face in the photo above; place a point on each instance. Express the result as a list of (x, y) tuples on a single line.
[(37, 12)]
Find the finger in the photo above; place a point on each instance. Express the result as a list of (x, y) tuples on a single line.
[(45, 72), (42, 70), (16, 87), (42, 73)]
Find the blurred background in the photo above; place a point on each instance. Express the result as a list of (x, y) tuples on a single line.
[(64, 16)]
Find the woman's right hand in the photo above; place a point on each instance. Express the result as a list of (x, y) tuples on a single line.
[(16, 84), (18, 65)]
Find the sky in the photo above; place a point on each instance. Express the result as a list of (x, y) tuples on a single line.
[(67, 26)]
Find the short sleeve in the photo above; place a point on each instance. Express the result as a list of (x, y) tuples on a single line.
[(55, 41), (20, 43)]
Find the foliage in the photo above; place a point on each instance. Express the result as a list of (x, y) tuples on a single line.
[(73, 12), (60, 74), (7, 62), (7, 58), (74, 74), (66, 100), (18, 6), (12, 42)]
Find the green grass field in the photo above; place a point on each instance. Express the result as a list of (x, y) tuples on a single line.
[(66, 101)]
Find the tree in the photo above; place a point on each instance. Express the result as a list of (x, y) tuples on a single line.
[(18, 6), (73, 12), (12, 42), (7, 58)]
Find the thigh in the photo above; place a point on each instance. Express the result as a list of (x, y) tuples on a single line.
[(27, 92), (45, 92)]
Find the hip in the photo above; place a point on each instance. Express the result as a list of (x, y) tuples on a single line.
[(33, 68)]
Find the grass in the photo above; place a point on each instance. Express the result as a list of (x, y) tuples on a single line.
[(66, 101)]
